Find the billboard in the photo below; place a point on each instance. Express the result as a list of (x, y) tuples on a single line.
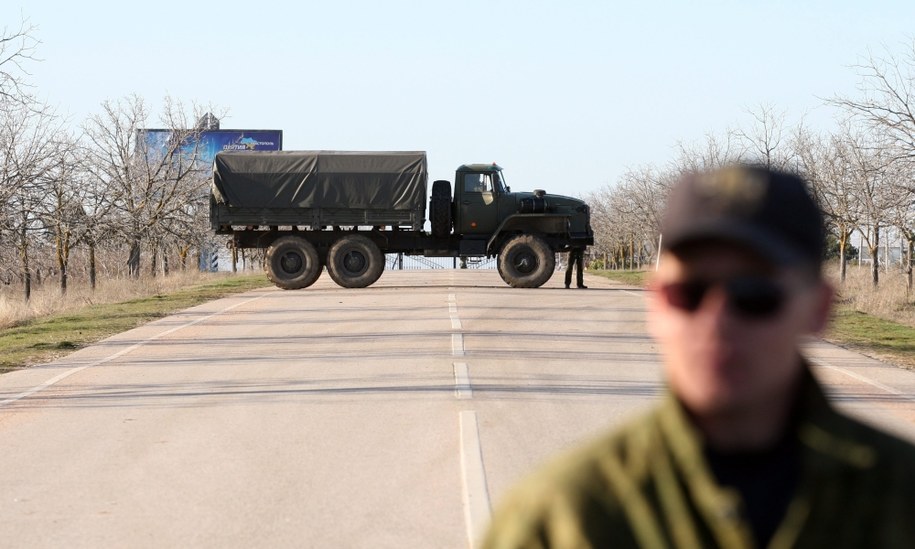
[(214, 141)]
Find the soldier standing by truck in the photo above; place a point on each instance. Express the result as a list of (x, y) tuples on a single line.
[(576, 260)]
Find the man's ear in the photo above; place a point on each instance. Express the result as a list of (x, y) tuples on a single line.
[(822, 307), (654, 303)]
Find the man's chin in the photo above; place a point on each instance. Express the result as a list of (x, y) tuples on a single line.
[(718, 402)]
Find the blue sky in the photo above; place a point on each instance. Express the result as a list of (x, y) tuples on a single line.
[(565, 96)]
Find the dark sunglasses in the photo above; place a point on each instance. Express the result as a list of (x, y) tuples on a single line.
[(750, 297)]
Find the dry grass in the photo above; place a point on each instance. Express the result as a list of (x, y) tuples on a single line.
[(876, 322), (47, 300), (888, 301), (633, 278), (38, 340)]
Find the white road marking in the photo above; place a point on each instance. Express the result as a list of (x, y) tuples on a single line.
[(457, 339), (477, 508), (453, 314), (861, 378), (60, 377), (457, 344), (462, 387)]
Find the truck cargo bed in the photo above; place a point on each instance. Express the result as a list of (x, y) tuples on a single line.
[(319, 188)]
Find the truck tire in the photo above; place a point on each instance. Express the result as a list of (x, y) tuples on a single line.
[(292, 262), (355, 261), (440, 208), (526, 261)]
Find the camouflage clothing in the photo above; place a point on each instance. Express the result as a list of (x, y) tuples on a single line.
[(649, 485)]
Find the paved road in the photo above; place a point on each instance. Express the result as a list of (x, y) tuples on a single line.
[(384, 417)]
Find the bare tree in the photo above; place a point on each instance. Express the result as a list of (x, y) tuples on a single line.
[(645, 194), (886, 100), (828, 164), (765, 141), (902, 216), (74, 209), (885, 104), (29, 151), (151, 185), (601, 221), (873, 174), (711, 153), (626, 216), (17, 46)]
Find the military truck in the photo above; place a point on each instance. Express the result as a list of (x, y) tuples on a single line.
[(345, 210)]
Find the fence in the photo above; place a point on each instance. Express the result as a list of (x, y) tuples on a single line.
[(411, 262)]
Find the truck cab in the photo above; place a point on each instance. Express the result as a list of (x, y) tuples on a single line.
[(525, 229), (479, 191)]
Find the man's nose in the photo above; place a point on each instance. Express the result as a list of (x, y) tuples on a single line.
[(714, 308)]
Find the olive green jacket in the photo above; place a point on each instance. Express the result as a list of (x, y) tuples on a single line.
[(648, 485)]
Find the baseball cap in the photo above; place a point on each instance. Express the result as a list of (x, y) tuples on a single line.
[(769, 211)]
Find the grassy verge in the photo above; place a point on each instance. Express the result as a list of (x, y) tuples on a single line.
[(44, 339), (873, 336), (632, 278)]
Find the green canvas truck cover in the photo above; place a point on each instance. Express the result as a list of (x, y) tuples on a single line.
[(321, 179)]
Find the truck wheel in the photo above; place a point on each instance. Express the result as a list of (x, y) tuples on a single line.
[(526, 261), (440, 209), (292, 263), (355, 261)]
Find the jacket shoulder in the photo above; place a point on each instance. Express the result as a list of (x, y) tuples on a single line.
[(575, 500), (857, 442)]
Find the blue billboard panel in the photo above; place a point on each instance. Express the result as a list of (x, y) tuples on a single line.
[(214, 141)]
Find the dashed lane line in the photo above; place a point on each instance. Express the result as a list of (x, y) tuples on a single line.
[(477, 508), (462, 388), (475, 492), (457, 338)]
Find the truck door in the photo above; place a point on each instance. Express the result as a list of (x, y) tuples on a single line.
[(478, 209)]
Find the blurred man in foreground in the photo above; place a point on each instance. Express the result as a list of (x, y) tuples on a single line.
[(745, 450)]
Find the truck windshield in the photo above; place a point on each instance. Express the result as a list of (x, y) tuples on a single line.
[(498, 183)]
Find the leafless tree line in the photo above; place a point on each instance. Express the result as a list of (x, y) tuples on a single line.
[(103, 193), (862, 172)]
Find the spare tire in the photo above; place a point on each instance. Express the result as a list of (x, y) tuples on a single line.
[(292, 262), (526, 261), (440, 208)]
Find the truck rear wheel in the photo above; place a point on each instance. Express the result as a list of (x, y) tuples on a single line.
[(292, 263), (526, 261), (355, 261), (440, 208)]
